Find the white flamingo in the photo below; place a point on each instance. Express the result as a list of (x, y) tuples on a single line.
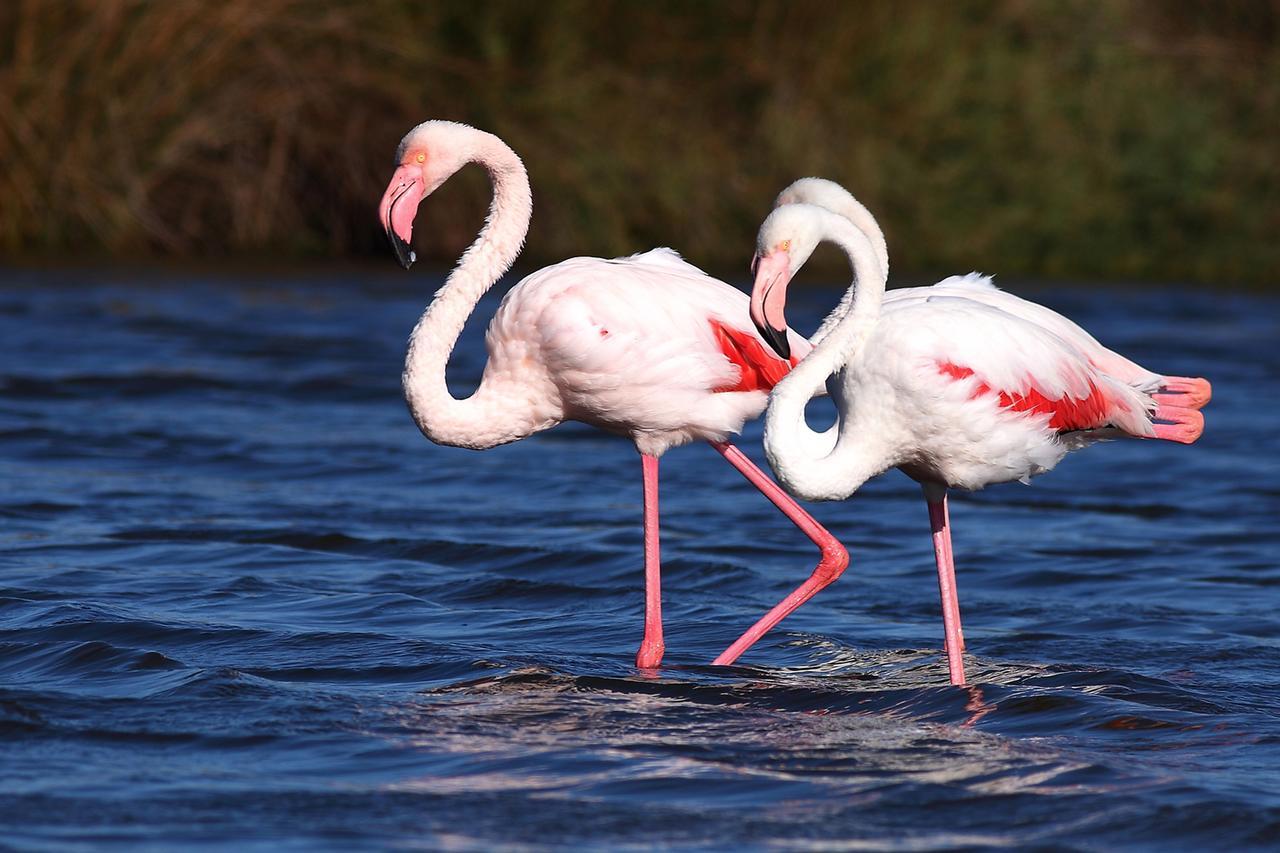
[(958, 385), (648, 347)]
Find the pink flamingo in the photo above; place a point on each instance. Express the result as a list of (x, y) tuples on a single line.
[(648, 347), (958, 385)]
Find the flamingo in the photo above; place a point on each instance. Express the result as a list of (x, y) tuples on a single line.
[(648, 347), (959, 385)]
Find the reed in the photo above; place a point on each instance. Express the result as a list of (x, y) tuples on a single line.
[(1133, 138)]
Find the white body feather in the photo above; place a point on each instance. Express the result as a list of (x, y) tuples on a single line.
[(898, 366), (626, 345)]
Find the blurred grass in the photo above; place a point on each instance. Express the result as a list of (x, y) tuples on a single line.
[(1130, 138)]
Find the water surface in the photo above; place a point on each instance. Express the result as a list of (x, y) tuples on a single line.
[(243, 602)]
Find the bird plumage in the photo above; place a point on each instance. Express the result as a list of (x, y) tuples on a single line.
[(959, 385), (647, 346), (630, 345)]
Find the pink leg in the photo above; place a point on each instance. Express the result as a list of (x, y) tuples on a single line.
[(946, 541), (938, 522), (835, 559), (651, 647)]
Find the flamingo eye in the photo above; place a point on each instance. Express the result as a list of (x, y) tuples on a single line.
[(421, 158), (785, 245)]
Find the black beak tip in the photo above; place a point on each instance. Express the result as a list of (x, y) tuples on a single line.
[(776, 338), (405, 255)]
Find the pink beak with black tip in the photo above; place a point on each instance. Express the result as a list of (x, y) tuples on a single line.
[(768, 299), (398, 208)]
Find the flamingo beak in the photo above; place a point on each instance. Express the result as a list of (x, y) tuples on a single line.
[(398, 208), (768, 299)]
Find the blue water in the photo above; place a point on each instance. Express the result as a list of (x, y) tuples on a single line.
[(244, 603)]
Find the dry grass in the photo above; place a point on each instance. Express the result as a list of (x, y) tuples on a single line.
[(1043, 137)]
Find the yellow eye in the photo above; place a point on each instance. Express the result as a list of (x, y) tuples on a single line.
[(421, 158), (785, 245)]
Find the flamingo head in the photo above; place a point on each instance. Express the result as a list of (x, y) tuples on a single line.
[(786, 240), (428, 155), (819, 191)]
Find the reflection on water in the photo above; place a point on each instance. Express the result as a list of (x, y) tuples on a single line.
[(241, 598)]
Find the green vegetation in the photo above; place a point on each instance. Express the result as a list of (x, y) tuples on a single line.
[(1133, 138)]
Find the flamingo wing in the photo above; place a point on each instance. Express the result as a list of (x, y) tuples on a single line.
[(980, 288), (648, 320), (980, 352)]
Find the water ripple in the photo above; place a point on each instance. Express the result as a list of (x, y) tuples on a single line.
[(242, 598)]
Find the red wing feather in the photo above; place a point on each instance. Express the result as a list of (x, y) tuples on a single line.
[(1065, 413), (760, 369)]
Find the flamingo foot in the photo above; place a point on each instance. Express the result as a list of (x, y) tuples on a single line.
[(1184, 425), (1185, 392)]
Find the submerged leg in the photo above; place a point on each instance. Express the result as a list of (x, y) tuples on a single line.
[(835, 559), (652, 646), (939, 523)]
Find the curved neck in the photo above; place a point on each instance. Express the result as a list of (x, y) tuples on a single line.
[(826, 466), (844, 204), (857, 213), (488, 417)]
